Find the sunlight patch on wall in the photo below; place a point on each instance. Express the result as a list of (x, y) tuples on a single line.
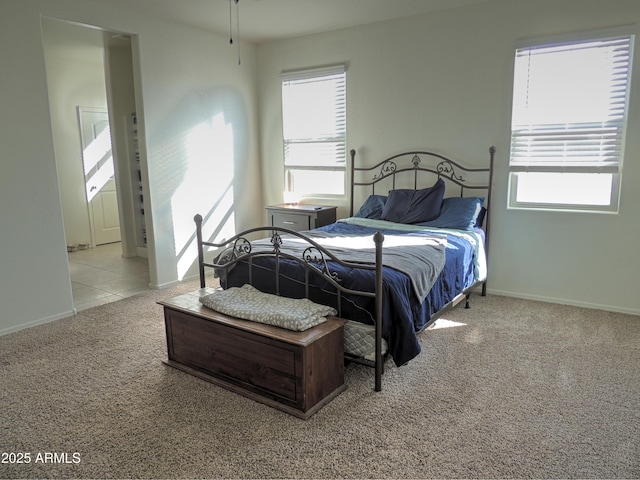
[(206, 188)]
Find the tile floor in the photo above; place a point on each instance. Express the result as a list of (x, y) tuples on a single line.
[(101, 275)]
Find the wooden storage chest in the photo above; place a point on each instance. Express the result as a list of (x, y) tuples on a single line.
[(297, 372)]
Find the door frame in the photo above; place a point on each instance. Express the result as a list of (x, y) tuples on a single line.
[(122, 179)]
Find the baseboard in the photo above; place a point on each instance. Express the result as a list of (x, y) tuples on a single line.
[(35, 323), (562, 301), (161, 286)]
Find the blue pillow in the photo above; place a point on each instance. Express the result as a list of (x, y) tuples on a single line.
[(461, 213), (480, 219), (372, 207), (414, 206)]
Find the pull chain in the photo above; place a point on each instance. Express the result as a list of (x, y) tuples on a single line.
[(230, 25), (237, 2), (238, 26)]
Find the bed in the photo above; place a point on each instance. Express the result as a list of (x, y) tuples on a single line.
[(416, 245)]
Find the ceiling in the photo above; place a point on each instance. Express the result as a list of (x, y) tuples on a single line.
[(267, 20)]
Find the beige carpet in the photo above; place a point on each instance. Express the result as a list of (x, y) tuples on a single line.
[(510, 388)]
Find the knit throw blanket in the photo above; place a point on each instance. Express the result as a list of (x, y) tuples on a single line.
[(249, 303)]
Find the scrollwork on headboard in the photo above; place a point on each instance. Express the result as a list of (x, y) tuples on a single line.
[(388, 168), (447, 168)]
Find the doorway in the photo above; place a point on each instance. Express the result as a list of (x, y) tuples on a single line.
[(92, 97)]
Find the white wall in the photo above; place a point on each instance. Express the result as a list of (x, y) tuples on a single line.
[(201, 132), (34, 275), (199, 110), (443, 81)]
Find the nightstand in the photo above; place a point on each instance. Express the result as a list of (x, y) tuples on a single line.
[(300, 217)]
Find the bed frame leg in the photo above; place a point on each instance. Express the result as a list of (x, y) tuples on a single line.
[(484, 289), (378, 238), (466, 300)]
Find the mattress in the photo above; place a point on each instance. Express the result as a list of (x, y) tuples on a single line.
[(360, 340)]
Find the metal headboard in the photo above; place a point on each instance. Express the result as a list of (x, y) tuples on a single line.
[(412, 165)]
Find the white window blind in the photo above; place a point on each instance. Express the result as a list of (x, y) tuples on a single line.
[(569, 104), (314, 128)]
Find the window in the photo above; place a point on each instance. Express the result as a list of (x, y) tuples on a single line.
[(314, 128), (568, 123)]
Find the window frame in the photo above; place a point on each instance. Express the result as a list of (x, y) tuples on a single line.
[(611, 168), (340, 138)]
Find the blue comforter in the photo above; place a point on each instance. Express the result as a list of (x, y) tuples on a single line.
[(404, 315)]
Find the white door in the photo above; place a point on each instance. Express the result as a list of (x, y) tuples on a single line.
[(99, 174)]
